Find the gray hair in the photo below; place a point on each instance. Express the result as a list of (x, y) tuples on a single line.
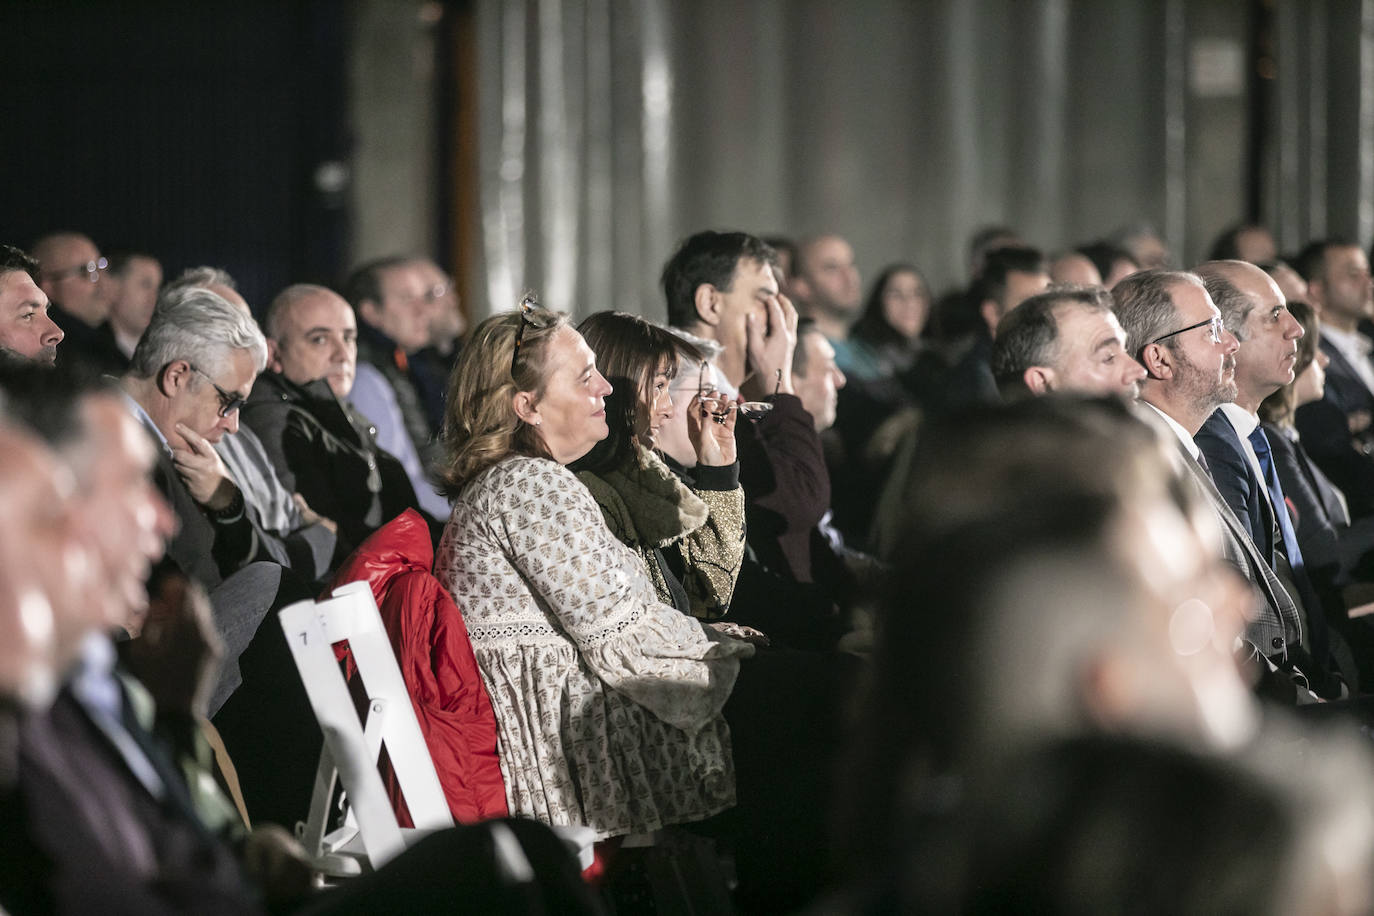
[(200, 327), (1235, 306), (1145, 308), (203, 276)]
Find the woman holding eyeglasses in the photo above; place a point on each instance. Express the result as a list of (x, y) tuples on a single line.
[(690, 538), (608, 700)]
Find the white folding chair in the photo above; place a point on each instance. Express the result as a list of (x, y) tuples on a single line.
[(370, 834)]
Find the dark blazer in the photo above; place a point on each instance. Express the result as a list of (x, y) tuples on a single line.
[(786, 485), (1325, 430), (325, 450), (1235, 479), (1333, 547), (1276, 625), (205, 548), (83, 834), (85, 350)]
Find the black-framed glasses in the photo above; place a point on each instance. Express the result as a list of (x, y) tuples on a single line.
[(528, 305), (229, 401), (1218, 327), (92, 270)]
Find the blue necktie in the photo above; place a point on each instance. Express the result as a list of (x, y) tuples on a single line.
[(1271, 481)]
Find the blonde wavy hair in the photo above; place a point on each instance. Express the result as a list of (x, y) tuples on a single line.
[(481, 427)]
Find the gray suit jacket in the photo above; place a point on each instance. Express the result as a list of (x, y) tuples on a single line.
[(1277, 625)]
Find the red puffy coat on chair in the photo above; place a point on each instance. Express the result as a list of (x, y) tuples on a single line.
[(431, 645)]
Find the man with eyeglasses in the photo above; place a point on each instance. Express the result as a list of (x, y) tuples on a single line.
[(191, 372), (72, 276), (1177, 334)]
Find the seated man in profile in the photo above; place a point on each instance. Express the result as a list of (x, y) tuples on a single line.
[(320, 445), (1064, 340), (26, 329)]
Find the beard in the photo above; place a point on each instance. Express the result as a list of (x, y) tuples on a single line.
[(1206, 391)]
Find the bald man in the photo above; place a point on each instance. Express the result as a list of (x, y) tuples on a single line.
[(72, 276), (319, 444)]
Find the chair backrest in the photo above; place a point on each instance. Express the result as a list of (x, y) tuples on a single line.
[(352, 746)]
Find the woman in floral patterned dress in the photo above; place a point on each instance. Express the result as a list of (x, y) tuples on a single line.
[(608, 701)]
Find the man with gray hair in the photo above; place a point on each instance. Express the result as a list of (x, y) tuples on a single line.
[(1064, 340), (1176, 332), (190, 374), (295, 535), (1238, 450)]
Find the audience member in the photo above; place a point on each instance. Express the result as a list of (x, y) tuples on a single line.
[(986, 239), (1245, 242), (1062, 579), (1064, 340), (1073, 268), (785, 255), (391, 297), (1291, 283), (1113, 262), (1144, 244), (98, 816), (885, 341), (1189, 360), (689, 536), (133, 279), (321, 447), (292, 533), (72, 276), (825, 285), (1337, 429), (720, 286), (1010, 276), (524, 541), (1237, 450), (26, 328)]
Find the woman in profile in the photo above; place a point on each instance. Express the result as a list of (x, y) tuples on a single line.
[(690, 538), (607, 700)]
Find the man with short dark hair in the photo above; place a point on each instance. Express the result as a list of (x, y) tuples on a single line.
[(134, 279), (1337, 430), (1010, 276), (26, 329), (1064, 340), (721, 286), (392, 298)]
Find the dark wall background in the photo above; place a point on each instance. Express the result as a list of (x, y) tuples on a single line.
[(192, 130)]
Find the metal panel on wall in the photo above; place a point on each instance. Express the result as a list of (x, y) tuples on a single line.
[(903, 126)]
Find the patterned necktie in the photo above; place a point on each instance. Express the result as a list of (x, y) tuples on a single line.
[(1271, 482)]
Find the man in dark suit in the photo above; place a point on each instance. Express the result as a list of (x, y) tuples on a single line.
[(1177, 334), (1336, 431), (1238, 450)]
